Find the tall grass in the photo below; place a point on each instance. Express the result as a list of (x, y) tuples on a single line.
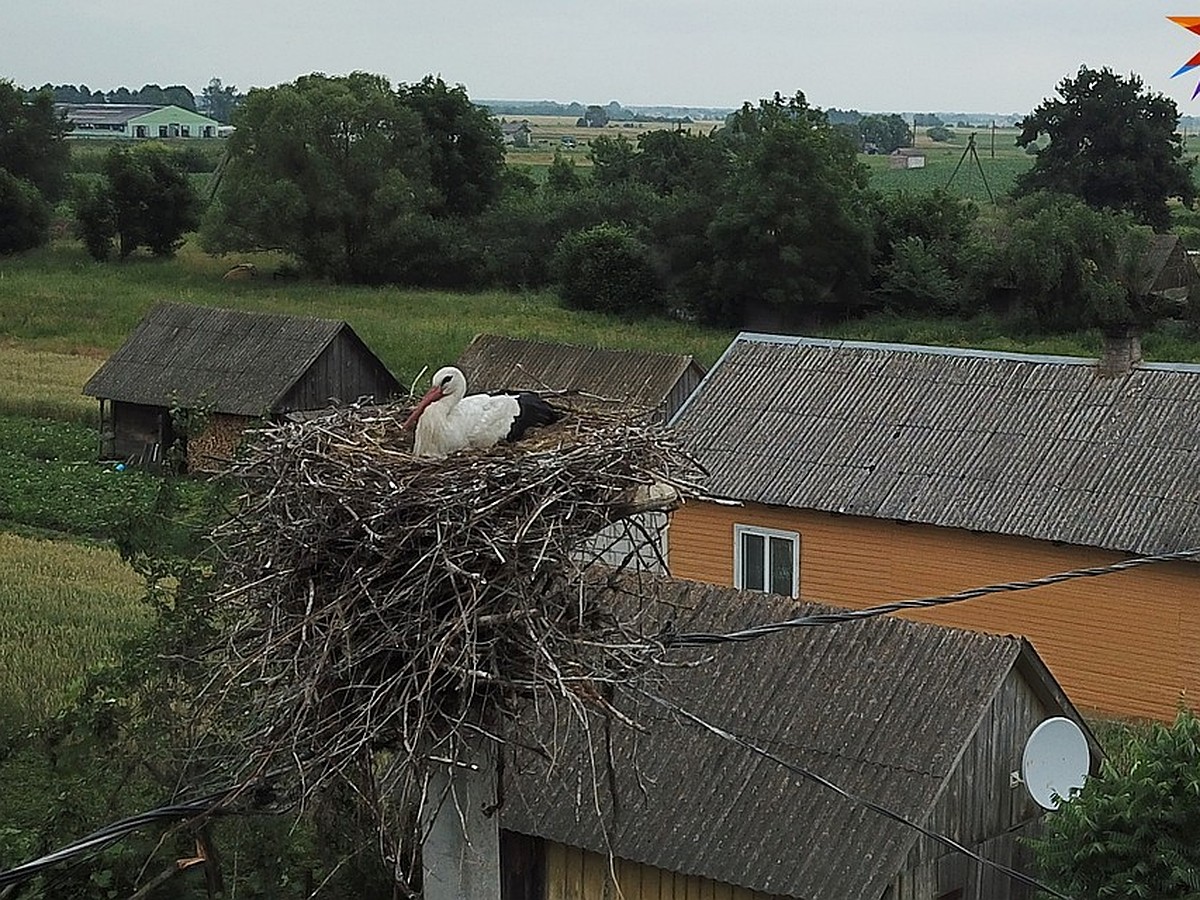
[(66, 608), (46, 385), (57, 299)]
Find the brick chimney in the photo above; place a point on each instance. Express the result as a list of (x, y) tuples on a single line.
[(1122, 352)]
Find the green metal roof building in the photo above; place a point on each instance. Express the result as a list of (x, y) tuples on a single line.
[(128, 120)]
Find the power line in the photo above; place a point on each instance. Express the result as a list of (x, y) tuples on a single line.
[(949, 842), (668, 638), (102, 838)]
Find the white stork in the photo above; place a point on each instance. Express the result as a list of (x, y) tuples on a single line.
[(448, 419)]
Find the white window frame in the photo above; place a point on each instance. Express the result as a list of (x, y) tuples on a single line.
[(767, 534)]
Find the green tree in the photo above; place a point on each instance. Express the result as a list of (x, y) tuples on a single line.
[(612, 159), (886, 132), (605, 268), (33, 140), (563, 176), (96, 219), (793, 226), (1112, 143), (146, 201), (1134, 829), (1070, 266), (922, 251), (463, 142), (24, 215), (332, 170), (674, 161), (219, 100), (595, 116)]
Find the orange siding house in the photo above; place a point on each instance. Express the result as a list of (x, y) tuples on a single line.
[(853, 474)]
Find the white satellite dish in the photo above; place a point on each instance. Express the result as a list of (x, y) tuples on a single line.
[(1055, 762)]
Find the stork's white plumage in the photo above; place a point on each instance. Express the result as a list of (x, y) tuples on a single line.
[(448, 419)]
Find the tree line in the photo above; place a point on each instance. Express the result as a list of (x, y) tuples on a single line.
[(767, 219), (217, 99)]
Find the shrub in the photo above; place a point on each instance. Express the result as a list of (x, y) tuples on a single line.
[(24, 215), (605, 268)]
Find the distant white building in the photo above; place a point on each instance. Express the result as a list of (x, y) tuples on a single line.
[(906, 158), (136, 121)]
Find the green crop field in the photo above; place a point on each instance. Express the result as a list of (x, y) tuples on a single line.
[(67, 607)]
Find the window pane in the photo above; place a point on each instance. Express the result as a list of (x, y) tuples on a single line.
[(781, 566), (753, 562)]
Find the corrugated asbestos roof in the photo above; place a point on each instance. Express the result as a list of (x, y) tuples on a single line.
[(640, 379), (1036, 446), (224, 360), (106, 113), (881, 707)]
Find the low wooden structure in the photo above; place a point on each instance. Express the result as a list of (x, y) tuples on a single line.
[(929, 722), (855, 473), (191, 379), (641, 382)]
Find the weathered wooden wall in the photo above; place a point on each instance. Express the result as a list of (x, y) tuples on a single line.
[(1124, 644), (344, 371), (575, 874)]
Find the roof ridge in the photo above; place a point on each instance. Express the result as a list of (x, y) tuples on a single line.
[(755, 337)]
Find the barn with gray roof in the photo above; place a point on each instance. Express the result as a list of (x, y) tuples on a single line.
[(852, 471), (640, 381), (929, 722), (226, 369)]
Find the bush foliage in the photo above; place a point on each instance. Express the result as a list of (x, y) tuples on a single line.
[(1134, 829)]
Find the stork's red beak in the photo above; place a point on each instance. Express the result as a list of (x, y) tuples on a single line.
[(434, 394)]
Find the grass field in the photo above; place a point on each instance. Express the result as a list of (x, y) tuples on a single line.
[(67, 607), (58, 300)]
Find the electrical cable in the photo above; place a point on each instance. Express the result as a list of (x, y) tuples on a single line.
[(668, 638), (746, 744), (104, 837)]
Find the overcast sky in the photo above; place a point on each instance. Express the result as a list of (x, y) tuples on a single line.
[(900, 55)]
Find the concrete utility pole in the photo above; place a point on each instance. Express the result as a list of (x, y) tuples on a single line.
[(461, 854)]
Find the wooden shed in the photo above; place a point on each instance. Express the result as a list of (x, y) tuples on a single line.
[(926, 721), (855, 473), (641, 381), (220, 370)]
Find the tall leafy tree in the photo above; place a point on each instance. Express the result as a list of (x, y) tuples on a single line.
[(332, 170), (886, 132), (1070, 266), (793, 228), (146, 201), (24, 215), (32, 140), (219, 100), (463, 142), (154, 203), (1112, 143)]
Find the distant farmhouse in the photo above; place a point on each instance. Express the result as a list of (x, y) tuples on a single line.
[(220, 371), (516, 134), (136, 121)]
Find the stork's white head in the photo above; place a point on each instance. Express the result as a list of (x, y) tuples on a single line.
[(449, 384)]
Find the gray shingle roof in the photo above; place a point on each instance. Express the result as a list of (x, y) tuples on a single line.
[(642, 379), (1020, 444), (881, 707), (224, 360)]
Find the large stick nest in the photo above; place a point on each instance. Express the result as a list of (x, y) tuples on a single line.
[(377, 601)]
